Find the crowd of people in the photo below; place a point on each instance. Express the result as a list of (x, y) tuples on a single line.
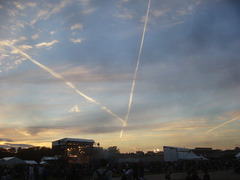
[(127, 171)]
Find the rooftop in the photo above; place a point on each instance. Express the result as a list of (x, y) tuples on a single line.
[(65, 140)]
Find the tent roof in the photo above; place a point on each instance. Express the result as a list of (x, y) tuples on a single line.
[(12, 160), (2, 161), (65, 140), (202, 157), (192, 155), (8, 158), (187, 156), (30, 162), (122, 160), (179, 149), (183, 155), (49, 158)]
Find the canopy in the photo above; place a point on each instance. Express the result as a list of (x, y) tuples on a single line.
[(31, 162), (49, 159), (183, 155), (12, 161), (203, 158), (1, 161), (188, 156), (192, 156), (238, 156)]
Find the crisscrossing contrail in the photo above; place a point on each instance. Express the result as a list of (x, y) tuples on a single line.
[(135, 74), (58, 76), (223, 124)]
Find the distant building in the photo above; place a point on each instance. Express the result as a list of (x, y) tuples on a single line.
[(172, 154), (74, 150), (208, 152), (150, 156)]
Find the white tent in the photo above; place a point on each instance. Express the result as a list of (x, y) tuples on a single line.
[(193, 156), (31, 162), (188, 156), (1, 161), (203, 158), (12, 161), (238, 156), (172, 153), (130, 160), (183, 155), (47, 160), (175, 153)]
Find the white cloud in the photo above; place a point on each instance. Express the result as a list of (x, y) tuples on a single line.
[(9, 68), (126, 14), (77, 26), (58, 7), (160, 13), (190, 8), (52, 32), (46, 13), (5, 43), (76, 71), (18, 5), (76, 40), (46, 44), (25, 47), (84, 2), (74, 109), (182, 12), (12, 12), (89, 11), (17, 62), (20, 25), (31, 4), (22, 38), (198, 2), (35, 36)]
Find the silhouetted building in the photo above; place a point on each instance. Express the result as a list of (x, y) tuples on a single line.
[(140, 156), (208, 152), (74, 150)]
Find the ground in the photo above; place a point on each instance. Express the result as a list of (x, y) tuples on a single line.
[(216, 175)]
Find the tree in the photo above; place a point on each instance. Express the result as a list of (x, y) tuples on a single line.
[(12, 150), (34, 153), (113, 150), (113, 154)]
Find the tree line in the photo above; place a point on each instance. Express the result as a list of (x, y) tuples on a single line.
[(30, 153), (36, 153)]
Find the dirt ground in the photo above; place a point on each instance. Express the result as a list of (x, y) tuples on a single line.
[(217, 175)]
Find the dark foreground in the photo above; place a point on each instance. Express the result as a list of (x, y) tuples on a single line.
[(216, 175)]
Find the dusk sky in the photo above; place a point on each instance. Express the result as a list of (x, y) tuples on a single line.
[(67, 69)]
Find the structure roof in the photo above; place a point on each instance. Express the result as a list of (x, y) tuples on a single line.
[(177, 148), (13, 160), (32, 162), (75, 140)]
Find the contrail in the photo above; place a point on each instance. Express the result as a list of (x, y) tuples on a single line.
[(58, 76), (135, 74), (237, 118)]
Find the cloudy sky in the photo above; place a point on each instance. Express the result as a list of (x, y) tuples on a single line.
[(67, 69)]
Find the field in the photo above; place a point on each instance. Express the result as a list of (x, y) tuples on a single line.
[(216, 175)]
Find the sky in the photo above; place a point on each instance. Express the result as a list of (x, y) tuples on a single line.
[(68, 68)]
